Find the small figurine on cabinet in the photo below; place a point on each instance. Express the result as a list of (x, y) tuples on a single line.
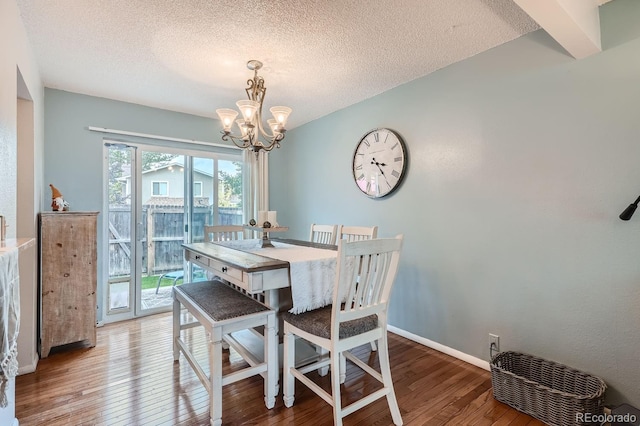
[(58, 204)]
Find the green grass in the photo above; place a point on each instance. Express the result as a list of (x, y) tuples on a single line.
[(152, 282)]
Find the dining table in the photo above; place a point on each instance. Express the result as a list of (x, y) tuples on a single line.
[(307, 269), (293, 275)]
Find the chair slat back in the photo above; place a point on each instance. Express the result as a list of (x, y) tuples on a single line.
[(357, 233), (366, 271), (323, 234), (223, 232)]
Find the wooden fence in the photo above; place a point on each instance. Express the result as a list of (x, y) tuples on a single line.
[(163, 251)]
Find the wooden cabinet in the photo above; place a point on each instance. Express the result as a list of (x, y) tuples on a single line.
[(68, 278)]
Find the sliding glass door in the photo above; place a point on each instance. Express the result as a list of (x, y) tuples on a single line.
[(158, 200), (120, 253)]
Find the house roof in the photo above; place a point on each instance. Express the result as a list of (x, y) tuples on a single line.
[(200, 165)]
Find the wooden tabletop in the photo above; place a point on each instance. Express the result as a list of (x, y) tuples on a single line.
[(243, 260)]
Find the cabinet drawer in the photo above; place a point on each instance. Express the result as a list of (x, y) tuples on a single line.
[(225, 270), (198, 259)]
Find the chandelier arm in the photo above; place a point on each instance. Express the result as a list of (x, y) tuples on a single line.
[(270, 137), (275, 142), (255, 89), (251, 84), (256, 143), (271, 146), (260, 95), (227, 136)]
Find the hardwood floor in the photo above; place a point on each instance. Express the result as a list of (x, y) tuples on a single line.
[(130, 378)]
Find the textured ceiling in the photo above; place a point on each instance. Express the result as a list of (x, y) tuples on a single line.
[(319, 55)]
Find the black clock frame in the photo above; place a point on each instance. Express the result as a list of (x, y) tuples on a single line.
[(405, 162)]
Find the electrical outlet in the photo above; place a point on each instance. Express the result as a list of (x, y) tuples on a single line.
[(494, 344)]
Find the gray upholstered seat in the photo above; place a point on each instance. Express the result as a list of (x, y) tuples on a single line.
[(220, 301), (318, 322)]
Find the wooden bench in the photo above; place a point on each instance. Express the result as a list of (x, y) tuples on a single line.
[(221, 310)]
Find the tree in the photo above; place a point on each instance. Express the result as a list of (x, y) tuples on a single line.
[(232, 182), (152, 160), (119, 162)]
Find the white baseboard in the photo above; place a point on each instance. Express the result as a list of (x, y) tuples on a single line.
[(441, 348), (29, 368)]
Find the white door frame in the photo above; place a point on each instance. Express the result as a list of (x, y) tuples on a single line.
[(135, 308)]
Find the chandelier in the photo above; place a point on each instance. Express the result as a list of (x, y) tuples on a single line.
[(252, 134)]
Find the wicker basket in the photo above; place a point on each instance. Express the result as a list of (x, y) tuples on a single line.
[(551, 392)]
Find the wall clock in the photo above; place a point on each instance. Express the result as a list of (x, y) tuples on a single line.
[(379, 162)]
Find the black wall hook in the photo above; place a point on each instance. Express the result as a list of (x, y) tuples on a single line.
[(629, 211)]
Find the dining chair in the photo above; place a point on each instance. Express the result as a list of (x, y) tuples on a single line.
[(366, 271), (357, 233), (223, 232), (323, 234)]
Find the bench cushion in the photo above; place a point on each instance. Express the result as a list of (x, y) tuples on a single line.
[(318, 322), (220, 301)]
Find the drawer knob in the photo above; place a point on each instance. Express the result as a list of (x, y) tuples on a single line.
[(224, 269), (198, 257)]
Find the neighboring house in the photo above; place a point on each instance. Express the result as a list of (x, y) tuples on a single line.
[(167, 180)]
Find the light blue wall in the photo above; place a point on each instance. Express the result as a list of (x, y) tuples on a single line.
[(521, 160), (74, 155)]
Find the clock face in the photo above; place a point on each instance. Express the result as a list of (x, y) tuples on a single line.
[(379, 162)]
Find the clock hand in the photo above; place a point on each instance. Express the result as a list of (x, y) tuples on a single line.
[(385, 177), (376, 163), (381, 171)]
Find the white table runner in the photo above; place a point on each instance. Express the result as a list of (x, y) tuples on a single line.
[(312, 272)]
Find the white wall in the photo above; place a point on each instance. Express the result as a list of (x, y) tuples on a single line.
[(28, 184), (520, 161), (20, 166)]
